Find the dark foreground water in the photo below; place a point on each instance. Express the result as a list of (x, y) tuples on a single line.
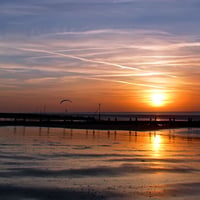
[(41, 163)]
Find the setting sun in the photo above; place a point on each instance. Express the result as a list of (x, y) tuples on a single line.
[(158, 99)]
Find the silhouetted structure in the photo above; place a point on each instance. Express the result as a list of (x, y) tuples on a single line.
[(89, 121)]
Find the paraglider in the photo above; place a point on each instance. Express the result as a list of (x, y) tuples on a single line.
[(65, 100)]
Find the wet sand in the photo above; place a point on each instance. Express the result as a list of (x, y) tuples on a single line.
[(56, 163)]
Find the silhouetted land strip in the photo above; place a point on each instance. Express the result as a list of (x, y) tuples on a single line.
[(83, 121)]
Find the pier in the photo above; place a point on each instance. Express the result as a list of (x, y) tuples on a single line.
[(106, 122)]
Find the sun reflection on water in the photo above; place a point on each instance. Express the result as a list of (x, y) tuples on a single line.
[(157, 145)]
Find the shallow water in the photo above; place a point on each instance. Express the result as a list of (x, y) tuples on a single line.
[(54, 163)]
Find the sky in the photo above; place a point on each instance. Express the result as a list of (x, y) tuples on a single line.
[(127, 55)]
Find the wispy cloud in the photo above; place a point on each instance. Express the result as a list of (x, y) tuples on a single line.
[(137, 59), (150, 59)]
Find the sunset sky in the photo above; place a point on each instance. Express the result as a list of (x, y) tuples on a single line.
[(128, 55)]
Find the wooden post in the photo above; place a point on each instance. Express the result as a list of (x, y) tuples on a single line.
[(99, 111)]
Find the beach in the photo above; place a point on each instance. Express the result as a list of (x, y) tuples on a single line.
[(60, 163), (99, 100)]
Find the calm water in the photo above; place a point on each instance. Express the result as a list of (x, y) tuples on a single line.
[(41, 163)]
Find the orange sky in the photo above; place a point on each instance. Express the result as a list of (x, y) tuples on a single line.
[(125, 74), (124, 60)]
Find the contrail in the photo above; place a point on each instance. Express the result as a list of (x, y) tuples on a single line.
[(128, 83), (89, 60), (81, 58), (131, 75)]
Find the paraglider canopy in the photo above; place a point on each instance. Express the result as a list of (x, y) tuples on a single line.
[(63, 100)]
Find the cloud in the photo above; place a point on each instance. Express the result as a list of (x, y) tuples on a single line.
[(18, 9), (113, 44), (137, 59), (36, 17), (149, 54)]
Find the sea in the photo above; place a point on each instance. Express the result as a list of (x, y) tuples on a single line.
[(38, 163)]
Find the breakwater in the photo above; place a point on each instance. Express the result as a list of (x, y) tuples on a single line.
[(103, 122)]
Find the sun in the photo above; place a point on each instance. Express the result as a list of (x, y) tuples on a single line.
[(158, 99)]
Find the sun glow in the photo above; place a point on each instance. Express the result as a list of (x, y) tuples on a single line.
[(158, 99)]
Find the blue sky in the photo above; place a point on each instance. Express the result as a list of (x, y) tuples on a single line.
[(39, 17), (117, 48)]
